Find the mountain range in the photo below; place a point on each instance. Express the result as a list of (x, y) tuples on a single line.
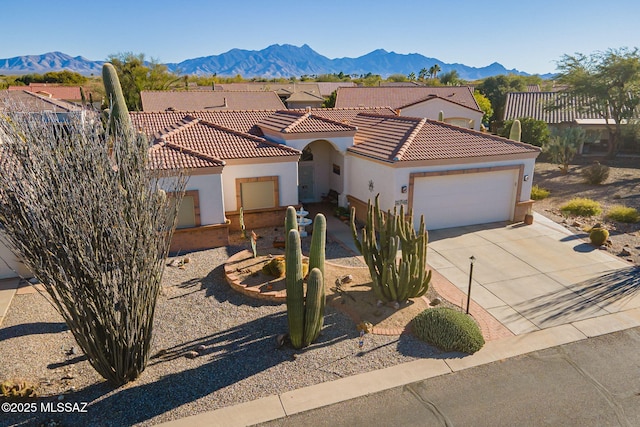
[(271, 62)]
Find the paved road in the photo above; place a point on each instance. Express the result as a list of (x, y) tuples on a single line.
[(594, 382)]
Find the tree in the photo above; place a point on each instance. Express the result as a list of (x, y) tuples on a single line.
[(434, 70), (607, 83), (496, 88), (331, 101), (397, 78), (534, 132), (136, 74), (422, 75), (485, 106), (563, 146), (84, 210), (412, 76), (451, 78)]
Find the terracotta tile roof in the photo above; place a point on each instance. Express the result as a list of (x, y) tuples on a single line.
[(533, 104), (400, 139), (209, 100), (398, 97), (297, 121), (346, 115), (68, 93), (194, 143), (30, 102), (327, 88), (242, 121), (304, 96)]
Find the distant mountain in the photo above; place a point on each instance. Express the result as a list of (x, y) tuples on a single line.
[(272, 62), (52, 61)]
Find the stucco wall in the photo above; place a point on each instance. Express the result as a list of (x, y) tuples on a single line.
[(287, 181), (362, 171), (9, 263), (389, 181), (431, 110), (339, 143), (210, 196)]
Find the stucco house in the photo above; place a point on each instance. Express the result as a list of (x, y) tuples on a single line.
[(538, 105), (457, 103), (264, 161), (170, 100)]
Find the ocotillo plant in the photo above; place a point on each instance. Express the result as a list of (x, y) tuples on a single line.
[(305, 314), (382, 237)]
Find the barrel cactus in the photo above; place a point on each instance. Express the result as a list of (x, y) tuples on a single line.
[(382, 237), (598, 236), (305, 313)]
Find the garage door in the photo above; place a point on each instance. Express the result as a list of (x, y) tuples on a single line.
[(465, 199)]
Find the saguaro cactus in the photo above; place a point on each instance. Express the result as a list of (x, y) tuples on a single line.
[(516, 130), (383, 236), (305, 314), (119, 114)]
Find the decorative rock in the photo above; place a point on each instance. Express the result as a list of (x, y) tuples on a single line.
[(347, 279), (576, 224), (436, 301), (625, 251), (280, 339), (191, 354), (60, 397), (201, 349)]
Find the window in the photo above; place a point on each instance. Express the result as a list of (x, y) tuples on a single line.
[(257, 193), (189, 212)]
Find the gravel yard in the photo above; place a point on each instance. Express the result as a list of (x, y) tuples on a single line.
[(621, 188), (234, 335)]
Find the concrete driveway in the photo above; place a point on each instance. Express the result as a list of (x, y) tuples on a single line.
[(534, 277)]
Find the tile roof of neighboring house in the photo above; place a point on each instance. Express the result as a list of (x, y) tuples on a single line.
[(244, 121), (400, 139), (534, 105), (302, 122), (282, 89), (68, 93), (327, 88), (398, 97), (30, 102), (304, 96), (533, 88), (347, 115), (195, 143), (209, 100)]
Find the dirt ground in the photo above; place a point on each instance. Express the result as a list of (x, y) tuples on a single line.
[(348, 288), (621, 188)]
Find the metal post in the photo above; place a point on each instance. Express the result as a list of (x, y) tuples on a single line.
[(472, 259)]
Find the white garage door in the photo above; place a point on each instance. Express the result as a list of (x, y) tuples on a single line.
[(465, 199)]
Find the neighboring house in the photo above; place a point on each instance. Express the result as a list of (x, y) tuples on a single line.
[(10, 266), (29, 102), (293, 95), (209, 100), (457, 103), (265, 160), (49, 90), (327, 88), (537, 105)]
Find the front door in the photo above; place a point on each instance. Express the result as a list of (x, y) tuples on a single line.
[(305, 182)]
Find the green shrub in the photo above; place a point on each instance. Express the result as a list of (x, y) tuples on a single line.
[(539, 193), (596, 173), (448, 329), (581, 207), (623, 214), (598, 236)]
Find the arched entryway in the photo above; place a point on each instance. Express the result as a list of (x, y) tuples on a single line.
[(320, 171)]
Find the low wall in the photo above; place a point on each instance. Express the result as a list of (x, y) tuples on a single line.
[(199, 238), (258, 218)]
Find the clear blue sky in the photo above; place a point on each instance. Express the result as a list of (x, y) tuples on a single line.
[(527, 35)]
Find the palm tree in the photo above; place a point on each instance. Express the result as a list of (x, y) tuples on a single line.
[(422, 74), (434, 70)]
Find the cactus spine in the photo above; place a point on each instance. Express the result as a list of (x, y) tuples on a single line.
[(393, 279), (119, 120), (305, 314), (516, 130)]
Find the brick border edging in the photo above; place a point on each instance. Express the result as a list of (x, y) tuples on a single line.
[(234, 281)]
